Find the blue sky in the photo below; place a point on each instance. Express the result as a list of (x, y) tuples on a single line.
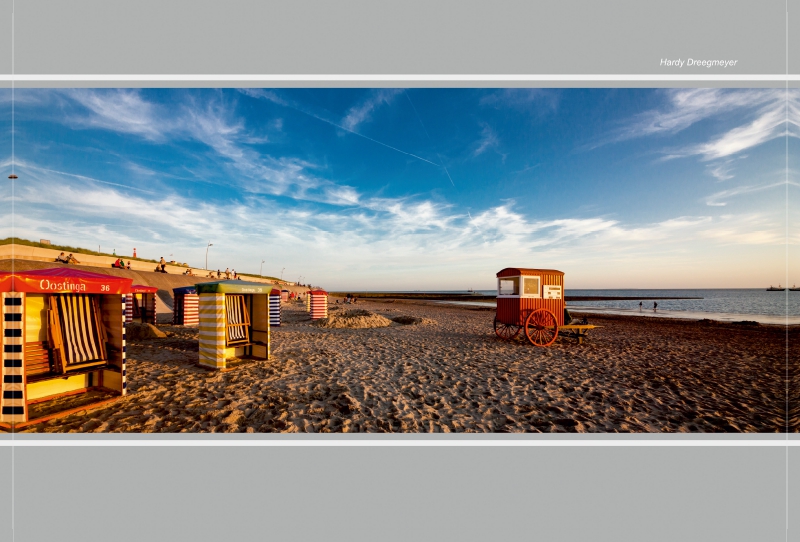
[(418, 188)]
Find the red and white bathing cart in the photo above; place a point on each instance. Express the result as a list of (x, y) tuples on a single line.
[(533, 300)]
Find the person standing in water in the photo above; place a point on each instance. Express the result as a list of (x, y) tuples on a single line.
[(640, 306), (655, 306)]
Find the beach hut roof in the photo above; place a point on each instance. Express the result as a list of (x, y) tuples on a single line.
[(318, 292), (183, 290), (66, 280), (521, 271), (5, 281), (141, 289), (233, 287)]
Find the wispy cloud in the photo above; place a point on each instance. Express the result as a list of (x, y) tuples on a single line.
[(488, 140), (770, 124), (528, 100), (119, 110), (362, 112), (721, 171), (685, 107), (764, 111), (717, 199)]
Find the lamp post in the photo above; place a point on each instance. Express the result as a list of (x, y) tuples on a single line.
[(210, 244), (260, 269), (282, 270)]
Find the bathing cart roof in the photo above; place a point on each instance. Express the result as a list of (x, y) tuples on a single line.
[(233, 287), (521, 271), (61, 280)]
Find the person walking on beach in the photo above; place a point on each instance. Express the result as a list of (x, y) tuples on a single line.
[(655, 306), (163, 264), (640, 306), (227, 273)]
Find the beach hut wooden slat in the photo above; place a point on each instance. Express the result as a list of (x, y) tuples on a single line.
[(212, 331), (12, 401), (275, 300)]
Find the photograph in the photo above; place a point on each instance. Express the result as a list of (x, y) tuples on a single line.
[(400, 260)]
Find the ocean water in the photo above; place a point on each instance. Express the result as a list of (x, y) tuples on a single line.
[(720, 304), (735, 301)]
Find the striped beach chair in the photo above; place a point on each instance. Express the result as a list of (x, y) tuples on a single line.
[(76, 332), (238, 323)]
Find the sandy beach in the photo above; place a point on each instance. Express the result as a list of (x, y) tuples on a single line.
[(449, 373)]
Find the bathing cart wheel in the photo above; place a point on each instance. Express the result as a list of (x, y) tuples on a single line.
[(505, 331), (541, 327)]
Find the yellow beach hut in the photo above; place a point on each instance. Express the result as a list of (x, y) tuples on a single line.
[(234, 322)]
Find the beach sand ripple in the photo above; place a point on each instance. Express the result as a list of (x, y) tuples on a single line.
[(631, 375)]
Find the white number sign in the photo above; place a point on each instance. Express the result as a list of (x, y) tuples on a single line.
[(552, 292)]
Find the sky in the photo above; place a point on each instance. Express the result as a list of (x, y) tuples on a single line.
[(417, 189)]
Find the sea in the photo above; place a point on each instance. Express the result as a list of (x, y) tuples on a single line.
[(726, 305)]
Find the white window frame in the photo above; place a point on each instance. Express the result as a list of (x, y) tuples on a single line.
[(522, 293), (507, 296)]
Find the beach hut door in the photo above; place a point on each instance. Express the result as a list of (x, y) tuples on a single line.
[(238, 320)]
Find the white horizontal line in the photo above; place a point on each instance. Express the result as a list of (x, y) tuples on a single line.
[(399, 77), (417, 442)]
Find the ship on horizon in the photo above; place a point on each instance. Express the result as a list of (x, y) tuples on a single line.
[(774, 289)]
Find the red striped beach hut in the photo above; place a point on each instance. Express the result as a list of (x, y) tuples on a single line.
[(141, 304), (318, 304), (63, 335), (185, 306)]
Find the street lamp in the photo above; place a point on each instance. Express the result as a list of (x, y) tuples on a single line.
[(210, 244), (282, 270), (260, 269)]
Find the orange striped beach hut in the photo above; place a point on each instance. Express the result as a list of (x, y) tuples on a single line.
[(521, 291)]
